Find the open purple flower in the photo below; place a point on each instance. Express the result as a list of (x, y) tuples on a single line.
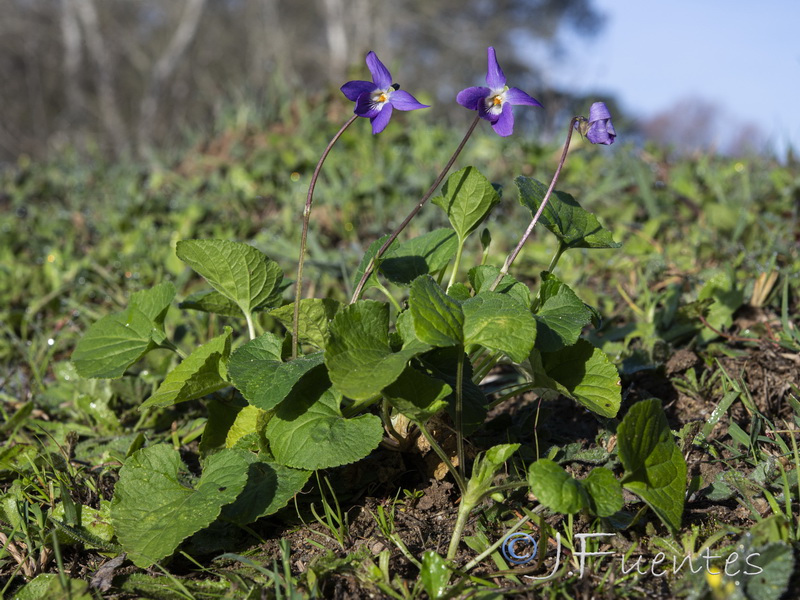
[(600, 130), (494, 102), (375, 99)]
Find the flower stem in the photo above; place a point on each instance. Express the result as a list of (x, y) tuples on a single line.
[(512, 257), (306, 218), (412, 214)]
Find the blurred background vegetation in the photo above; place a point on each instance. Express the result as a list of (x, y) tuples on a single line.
[(127, 77)]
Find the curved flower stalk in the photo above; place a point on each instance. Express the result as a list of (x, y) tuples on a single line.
[(598, 129), (375, 99), (494, 102)]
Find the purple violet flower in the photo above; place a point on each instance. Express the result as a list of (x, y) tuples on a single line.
[(600, 130), (375, 99), (494, 102)]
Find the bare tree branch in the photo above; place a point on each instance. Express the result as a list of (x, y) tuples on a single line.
[(164, 68), (109, 108)]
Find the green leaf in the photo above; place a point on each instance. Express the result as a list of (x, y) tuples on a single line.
[(438, 319), (269, 488), (483, 276), (259, 374), (372, 250), (199, 374), (315, 316), (585, 374), (435, 574), (654, 466), (561, 316), (359, 358), (310, 432), (467, 198), (555, 488), (241, 273), (605, 492), (157, 504), (417, 395), (211, 301), (571, 224), (117, 341), (499, 322), (423, 255), (484, 469)]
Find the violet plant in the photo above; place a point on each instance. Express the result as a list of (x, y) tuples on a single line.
[(330, 390)]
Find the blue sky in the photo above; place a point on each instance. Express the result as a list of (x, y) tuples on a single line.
[(742, 56)]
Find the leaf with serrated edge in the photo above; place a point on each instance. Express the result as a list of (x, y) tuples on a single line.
[(259, 374), (588, 375), (561, 316), (500, 323), (438, 319), (605, 492), (153, 510), (467, 198), (269, 488), (358, 356), (655, 469), (114, 343), (555, 488), (311, 433), (315, 315), (571, 224), (238, 271), (428, 253), (199, 374), (483, 276), (211, 301)]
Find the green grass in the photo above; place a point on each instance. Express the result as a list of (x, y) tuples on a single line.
[(708, 271)]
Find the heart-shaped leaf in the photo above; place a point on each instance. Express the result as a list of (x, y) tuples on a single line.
[(315, 315), (571, 224), (561, 315), (655, 469), (499, 322), (359, 358), (310, 432), (259, 374), (423, 255), (585, 374), (157, 504), (467, 198), (241, 273), (438, 319)]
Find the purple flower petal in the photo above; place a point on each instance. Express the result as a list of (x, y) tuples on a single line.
[(365, 107), (473, 97), (402, 100), (517, 96), (504, 125), (353, 89), (380, 74), (381, 120), (495, 78), (601, 129), (598, 111)]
